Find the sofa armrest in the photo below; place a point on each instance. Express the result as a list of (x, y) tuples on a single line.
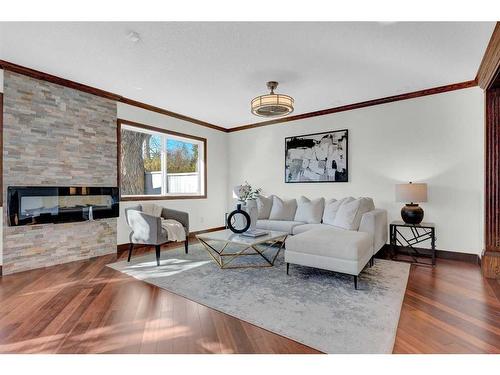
[(181, 216), (375, 223), (146, 229)]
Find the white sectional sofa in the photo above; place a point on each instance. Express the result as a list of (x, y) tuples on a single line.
[(337, 235)]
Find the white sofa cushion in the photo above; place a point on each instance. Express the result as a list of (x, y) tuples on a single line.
[(283, 210), (331, 208), (278, 225), (264, 205), (375, 223), (310, 211), (334, 243), (350, 212), (307, 227)]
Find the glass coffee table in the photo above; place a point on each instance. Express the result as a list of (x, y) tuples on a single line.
[(247, 246)]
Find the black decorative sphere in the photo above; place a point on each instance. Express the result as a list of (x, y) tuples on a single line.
[(238, 221), (412, 214)]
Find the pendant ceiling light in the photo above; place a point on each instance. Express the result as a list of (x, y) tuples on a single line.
[(272, 105)]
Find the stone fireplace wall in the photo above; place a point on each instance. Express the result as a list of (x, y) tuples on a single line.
[(56, 136)]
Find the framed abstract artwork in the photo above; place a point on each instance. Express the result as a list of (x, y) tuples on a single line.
[(319, 157)]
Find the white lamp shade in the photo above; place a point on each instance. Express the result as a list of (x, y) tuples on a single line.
[(409, 193)]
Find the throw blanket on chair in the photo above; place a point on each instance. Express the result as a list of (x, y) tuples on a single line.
[(174, 229), (152, 209)]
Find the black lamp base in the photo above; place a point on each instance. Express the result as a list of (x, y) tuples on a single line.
[(412, 213)]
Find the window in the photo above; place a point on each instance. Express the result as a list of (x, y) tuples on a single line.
[(159, 164)]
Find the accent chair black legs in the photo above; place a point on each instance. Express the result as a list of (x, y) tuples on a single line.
[(157, 248), (130, 248), (186, 245)]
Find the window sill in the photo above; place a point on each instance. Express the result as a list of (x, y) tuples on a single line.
[(160, 197)]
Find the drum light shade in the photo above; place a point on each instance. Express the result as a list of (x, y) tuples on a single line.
[(272, 105), (413, 193)]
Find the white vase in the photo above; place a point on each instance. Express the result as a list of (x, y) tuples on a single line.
[(251, 209)]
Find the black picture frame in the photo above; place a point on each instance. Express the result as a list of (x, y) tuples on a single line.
[(298, 174)]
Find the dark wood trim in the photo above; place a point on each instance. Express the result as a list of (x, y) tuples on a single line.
[(490, 261), (121, 122), (442, 254), (122, 247), (490, 64), (101, 93), (95, 91), (368, 103), (57, 80), (139, 198), (165, 112), (490, 264), (215, 229), (125, 246), (0, 270), (1, 150), (159, 130), (118, 153)]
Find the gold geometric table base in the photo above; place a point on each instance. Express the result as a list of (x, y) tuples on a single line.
[(220, 256)]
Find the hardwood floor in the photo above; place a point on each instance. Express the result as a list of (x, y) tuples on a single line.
[(86, 307), (449, 309)]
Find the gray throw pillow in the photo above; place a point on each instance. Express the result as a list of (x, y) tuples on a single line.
[(264, 205), (283, 210)]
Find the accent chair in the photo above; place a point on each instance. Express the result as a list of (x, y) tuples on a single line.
[(147, 229)]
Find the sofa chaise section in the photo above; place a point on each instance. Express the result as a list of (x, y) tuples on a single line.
[(331, 249)]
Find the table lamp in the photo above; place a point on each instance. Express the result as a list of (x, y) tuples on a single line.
[(411, 213)]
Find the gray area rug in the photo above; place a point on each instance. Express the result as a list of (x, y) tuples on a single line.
[(318, 308)]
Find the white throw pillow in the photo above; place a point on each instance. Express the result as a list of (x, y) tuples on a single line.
[(346, 214), (283, 210), (350, 213), (331, 208), (264, 205), (310, 211), (366, 204)]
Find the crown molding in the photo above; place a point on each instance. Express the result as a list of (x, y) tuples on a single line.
[(109, 95), (15, 68), (368, 103), (490, 64)]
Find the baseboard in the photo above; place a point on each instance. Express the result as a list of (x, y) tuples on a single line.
[(124, 246), (0, 270), (192, 234), (442, 254)]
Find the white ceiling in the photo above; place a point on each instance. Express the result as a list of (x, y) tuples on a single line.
[(211, 71)]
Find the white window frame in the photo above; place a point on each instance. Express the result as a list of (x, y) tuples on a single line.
[(165, 135)]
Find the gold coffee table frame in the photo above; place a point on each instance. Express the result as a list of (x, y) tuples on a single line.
[(224, 258)]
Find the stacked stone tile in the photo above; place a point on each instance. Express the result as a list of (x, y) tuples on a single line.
[(56, 136)]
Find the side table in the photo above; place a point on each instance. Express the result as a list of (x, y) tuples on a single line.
[(418, 233)]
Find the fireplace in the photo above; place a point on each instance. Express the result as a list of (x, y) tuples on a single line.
[(31, 205)]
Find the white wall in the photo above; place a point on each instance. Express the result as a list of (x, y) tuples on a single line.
[(436, 139), (203, 213)]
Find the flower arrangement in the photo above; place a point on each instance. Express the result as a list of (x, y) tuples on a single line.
[(245, 192)]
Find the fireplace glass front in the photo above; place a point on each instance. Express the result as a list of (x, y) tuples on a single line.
[(30, 205)]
